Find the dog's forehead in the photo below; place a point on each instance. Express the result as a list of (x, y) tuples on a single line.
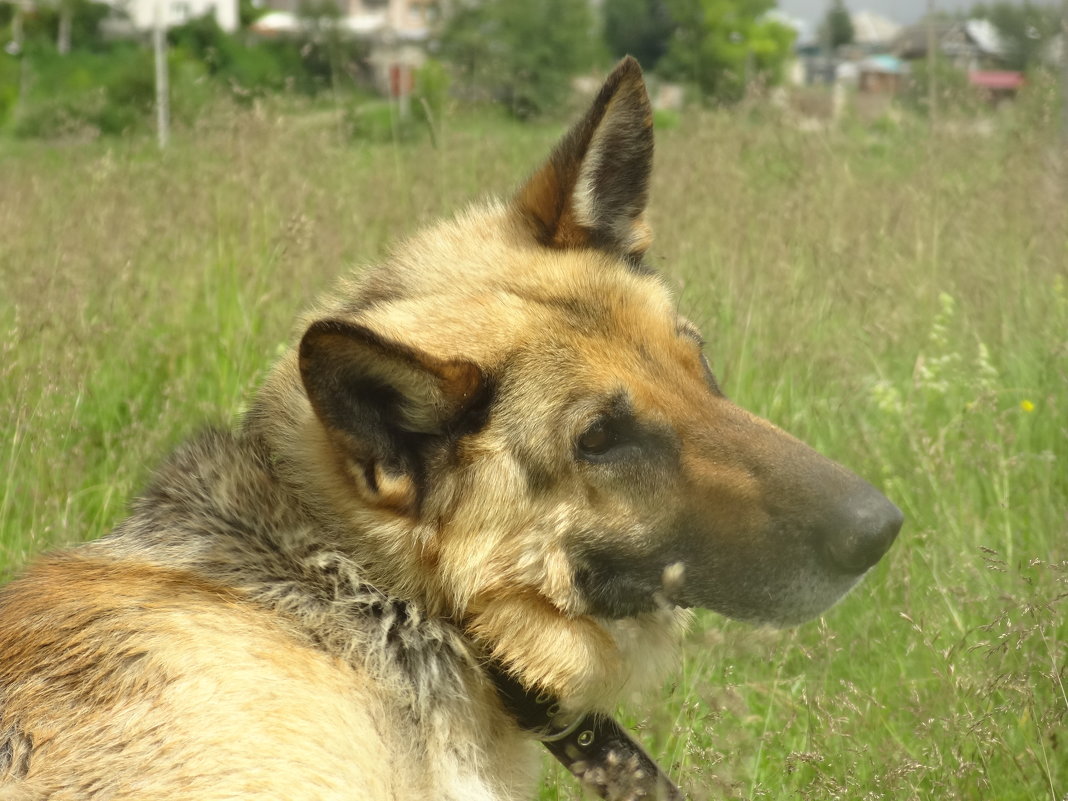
[(482, 303)]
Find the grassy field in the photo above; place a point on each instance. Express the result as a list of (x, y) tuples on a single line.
[(898, 300)]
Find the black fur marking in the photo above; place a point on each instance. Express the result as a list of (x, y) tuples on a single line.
[(623, 437), (540, 476), (637, 265), (615, 586), (619, 582), (349, 374), (476, 412), (581, 313), (619, 125), (375, 291)]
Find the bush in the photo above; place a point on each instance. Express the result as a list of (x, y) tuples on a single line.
[(375, 121), (249, 67), (639, 28), (41, 25), (954, 95), (112, 90), (665, 119), (84, 93), (725, 46), (378, 120), (431, 92), (10, 78), (246, 71), (68, 94), (60, 117), (520, 53)]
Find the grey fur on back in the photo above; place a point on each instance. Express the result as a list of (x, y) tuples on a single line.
[(217, 509)]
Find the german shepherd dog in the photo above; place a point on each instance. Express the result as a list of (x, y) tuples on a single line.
[(467, 511)]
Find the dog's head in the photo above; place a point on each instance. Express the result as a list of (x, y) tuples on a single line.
[(511, 422)]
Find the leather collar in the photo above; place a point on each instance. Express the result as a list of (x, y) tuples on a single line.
[(595, 748)]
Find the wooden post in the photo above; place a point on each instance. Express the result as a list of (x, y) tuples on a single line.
[(14, 48), (932, 65), (1064, 75), (66, 14), (163, 102), (16, 28)]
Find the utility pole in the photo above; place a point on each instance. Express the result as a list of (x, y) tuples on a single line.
[(15, 48), (163, 95), (66, 14), (1064, 75), (932, 64)]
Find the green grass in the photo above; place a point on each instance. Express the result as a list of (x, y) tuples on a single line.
[(898, 300)]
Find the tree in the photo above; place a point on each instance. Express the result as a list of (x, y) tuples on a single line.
[(519, 52), (1026, 29), (837, 27), (641, 28), (67, 23), (722, 46)]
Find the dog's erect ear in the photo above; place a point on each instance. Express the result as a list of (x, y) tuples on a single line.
[(388, 408), (593, 189)]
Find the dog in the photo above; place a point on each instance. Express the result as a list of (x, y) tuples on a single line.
[(467, 511)]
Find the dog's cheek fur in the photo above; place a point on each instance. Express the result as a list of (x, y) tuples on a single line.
[(588, 662), (505, 563)]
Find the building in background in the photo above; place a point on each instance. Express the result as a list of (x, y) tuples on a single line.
[(397, 32), (136, 16), (882, 74), (872, 36), (973, 44), (997, 86), (873, 32)]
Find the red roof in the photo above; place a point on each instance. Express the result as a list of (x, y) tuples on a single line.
[(996, 79)]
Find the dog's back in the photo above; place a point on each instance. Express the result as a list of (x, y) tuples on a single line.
[(213, 647)]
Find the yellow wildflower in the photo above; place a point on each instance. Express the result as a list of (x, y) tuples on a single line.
[(1027, 406)]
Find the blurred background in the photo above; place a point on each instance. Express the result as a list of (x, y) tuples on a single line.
[(85, 68)]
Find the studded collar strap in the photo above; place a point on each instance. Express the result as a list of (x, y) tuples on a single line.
[(595, 748)]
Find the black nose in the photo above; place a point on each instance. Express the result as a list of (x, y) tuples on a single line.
[(860, 530)]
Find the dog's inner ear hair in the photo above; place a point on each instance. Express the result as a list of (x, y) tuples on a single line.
[(388, 407), (593, 190)]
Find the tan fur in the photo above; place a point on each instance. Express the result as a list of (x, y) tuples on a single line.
[(502, 445), (209, 697)]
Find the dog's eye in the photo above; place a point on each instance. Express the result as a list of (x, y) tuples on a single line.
[(606, 440), (597, 440)]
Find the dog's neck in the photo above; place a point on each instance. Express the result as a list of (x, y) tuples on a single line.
[(594, 747)]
